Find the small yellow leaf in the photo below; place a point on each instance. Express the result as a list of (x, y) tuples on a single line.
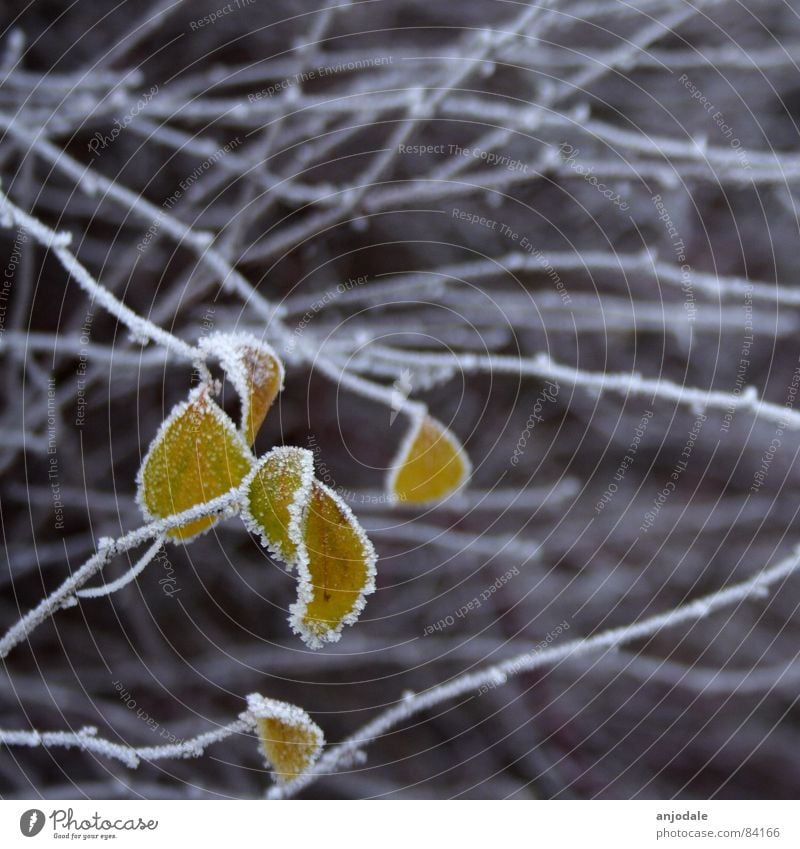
[(337, 569), (277, 491), (430, 465), (290, 740), (255, 371), (197, 455)]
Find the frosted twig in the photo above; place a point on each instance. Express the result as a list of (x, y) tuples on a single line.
[(65, 594), (497, 674), (87, 740), (123, 580), (623, 384), (646, 262), (140, 327), (200, 242)]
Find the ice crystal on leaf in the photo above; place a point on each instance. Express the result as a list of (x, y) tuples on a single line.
[(255, 371), (430, 465), (197, 455), (278, 490), (308, 526), (336, 566), (290, 740)]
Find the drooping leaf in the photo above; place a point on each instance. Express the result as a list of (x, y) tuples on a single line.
[(430, 464), (337, 569), (278, 490), (255, 371), (308, 526), (290, 740), (197, 455)]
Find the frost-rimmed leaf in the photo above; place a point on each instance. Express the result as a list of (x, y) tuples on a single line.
[(277, 492), (196, 455), (255, 371), (336, 566), (430, 464), (290, 740)]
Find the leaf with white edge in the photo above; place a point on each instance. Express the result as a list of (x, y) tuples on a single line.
[(197, 455), (277, 492), (290, 740), (255, 371), (336, 565), (430, 465)]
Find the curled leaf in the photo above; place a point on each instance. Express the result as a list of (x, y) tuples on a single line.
[(337, 569), (430, 464), (255, 371), (307, 525), (277, 492), (290, 740), (197, 455)]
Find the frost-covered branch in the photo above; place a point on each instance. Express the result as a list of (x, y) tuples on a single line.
[(497, 674), (65, 595)]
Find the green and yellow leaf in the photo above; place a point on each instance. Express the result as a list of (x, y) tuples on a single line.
[(277, 492), (337, 569), (197, 455), (430, 465)]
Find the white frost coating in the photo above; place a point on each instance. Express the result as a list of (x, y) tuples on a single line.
[(527, 661), (124, 580), (57, 243), (260, 707), (305, 589), (199, 395), (65, 594), (623, 384), (87, 740), (403, 451), (281, 455), (228, 348)]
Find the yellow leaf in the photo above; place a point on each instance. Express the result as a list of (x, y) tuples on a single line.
[(277, 491), (336, 564), (430, 465), (255, 371), (197, 455), (290, 740)]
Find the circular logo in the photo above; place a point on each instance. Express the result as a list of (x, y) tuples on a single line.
[(31, 822)]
